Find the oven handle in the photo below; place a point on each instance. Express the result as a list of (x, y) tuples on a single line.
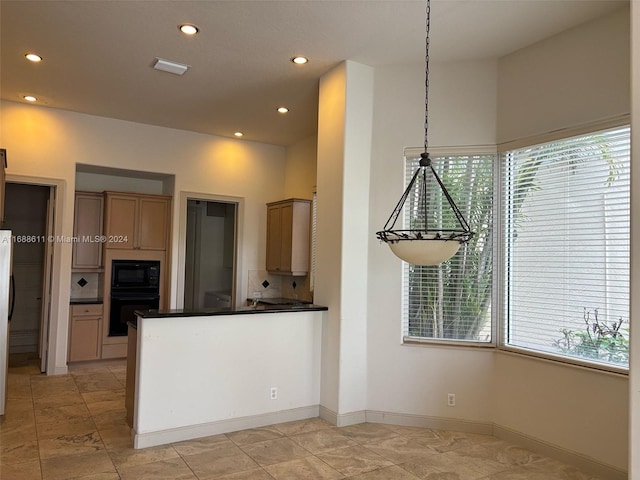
[(140, 296)]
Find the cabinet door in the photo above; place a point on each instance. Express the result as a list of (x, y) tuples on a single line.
[(85, 333), (120, 225), (274, 237), (153, 223), (286, 229), (3, 164), (87, 226)]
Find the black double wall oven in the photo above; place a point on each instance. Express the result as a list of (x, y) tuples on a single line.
[(135, 285)]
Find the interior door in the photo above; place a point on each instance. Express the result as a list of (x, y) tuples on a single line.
[(5, 272), (46, 282)]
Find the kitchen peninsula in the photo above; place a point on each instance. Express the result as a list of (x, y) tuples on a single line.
[(192, 374)]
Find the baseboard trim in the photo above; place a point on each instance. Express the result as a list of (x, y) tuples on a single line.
[(163, 437), (424, 421), (582, 462), (342, 419)]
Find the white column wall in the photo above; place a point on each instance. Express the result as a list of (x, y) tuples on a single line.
[(344, 145)]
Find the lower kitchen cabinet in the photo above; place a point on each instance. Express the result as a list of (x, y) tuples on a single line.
[(85, 332)]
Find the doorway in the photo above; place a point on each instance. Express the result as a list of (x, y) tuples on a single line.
[(210, 254), (29, 215)]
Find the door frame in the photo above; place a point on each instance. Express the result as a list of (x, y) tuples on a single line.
[(55, 306), (178, 299)]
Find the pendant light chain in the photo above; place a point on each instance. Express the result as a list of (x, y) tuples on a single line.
[(420, 243), (426, 79)]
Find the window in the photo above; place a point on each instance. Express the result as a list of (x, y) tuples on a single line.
[(566, 247), (452, 301)]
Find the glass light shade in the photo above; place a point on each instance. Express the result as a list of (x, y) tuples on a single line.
[(424, 252)]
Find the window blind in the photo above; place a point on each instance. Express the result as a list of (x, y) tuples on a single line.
[(566, 243), (314, 216), (452, 301)]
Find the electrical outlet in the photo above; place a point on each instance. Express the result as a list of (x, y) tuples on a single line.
[(451, 399), (273, 393), (257, 295)]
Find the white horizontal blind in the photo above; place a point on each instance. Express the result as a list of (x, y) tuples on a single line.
[(314, 230), (452, 301), (566, 247)]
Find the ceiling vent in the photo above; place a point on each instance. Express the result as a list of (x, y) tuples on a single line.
[(169, 66)]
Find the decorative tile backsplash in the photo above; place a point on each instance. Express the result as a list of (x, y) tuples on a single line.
[(86, 285), (261, 281), (271, 286)]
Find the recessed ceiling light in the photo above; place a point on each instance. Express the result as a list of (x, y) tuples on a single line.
[(299, 60), (238, 134), (30, 98), (283, 109), (188, 29), (33, 57)]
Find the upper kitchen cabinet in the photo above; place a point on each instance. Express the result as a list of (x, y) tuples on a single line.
[(3, 166), (288, 237), (137, 221), (87, 227)]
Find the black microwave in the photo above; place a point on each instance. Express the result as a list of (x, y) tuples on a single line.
[(142, 275)]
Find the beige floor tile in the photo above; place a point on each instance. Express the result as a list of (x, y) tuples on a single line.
[(174, 469), (21, 471), (72, 426), (66, 412), (275, 451), (70, 444), (104, 396), (302, 426), (128, 457), (323, 440), (97, 382), (116, 438), (253, 435), (403, 449), (50, 425), (451, 465), (199, 445), (110, 419), (18, 450), (61, 400), (393, 473), (45, 386), (17, 421), (222, 461), (77, 466), (366, 432), (303, 469), (253, 474), (352, 461)]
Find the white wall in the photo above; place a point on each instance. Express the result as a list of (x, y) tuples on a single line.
[(531, 101), (404, 379), (344, 143), (578, 409), (46, 142), (634, 367), (480, 103), (222, 375), (576, 77), (300, 173)]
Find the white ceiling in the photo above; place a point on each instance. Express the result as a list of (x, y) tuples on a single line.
[(98, 55)]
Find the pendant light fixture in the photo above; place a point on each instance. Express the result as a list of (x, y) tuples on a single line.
[(426, 241)]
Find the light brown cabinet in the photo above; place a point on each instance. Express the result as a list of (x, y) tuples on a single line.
[(137, 222), (87, 228), (3, 166), (288, 237), (85, 332)]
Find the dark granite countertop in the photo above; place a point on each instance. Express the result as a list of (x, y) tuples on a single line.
[(84, 301), (227, 311)]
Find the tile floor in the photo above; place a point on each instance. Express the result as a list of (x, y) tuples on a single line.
[(73, 427)]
